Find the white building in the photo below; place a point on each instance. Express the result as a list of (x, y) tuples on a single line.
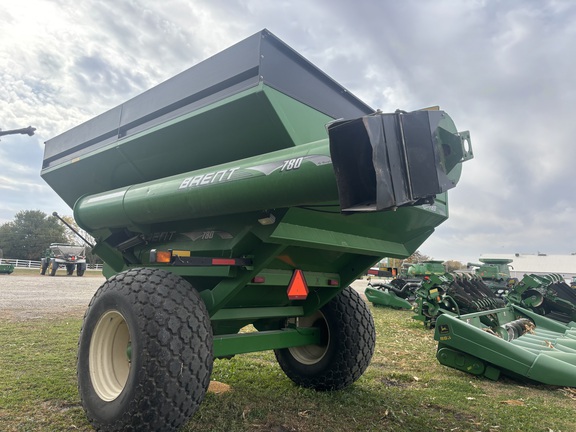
[(564, 265)]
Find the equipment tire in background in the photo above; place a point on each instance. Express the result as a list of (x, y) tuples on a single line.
[(43, 266), (80, 269), (145, 352), (70, 269), (348, 339), (53, 267)]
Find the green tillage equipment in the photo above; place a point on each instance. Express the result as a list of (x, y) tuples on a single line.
[(520, 344), (231, 196)]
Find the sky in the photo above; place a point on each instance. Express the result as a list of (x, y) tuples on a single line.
[(504, 70)]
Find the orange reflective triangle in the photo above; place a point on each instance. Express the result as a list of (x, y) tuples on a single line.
[(297, 289)]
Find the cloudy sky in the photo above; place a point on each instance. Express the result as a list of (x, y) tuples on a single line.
[(504, 70)]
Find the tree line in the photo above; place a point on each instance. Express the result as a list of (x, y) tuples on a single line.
[(32, 231)]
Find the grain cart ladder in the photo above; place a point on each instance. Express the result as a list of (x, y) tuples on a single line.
[(250, 189)]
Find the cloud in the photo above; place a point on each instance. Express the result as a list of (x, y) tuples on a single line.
[(502, 69)]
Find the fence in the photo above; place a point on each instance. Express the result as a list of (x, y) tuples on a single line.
[(18, 263)]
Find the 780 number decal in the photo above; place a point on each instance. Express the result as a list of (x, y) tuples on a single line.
[(291, 164)]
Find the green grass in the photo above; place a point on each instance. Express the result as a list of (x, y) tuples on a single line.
[(404, 389)]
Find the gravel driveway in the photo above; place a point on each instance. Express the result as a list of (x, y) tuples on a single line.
[(35, 297)]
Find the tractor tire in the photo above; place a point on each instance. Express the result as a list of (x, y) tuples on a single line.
[(348, 340), (80, 269), (43, 266), (52, 267), (145, 352), (70, 269)]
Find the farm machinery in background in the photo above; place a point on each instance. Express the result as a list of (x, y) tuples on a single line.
[(420, 270), (396, 293), (452, 294), (400, 292), (512, 341), (251, 189), (460, 294), (495, 273), (530, 333), (6, 268), (547, 295), (62, 255)]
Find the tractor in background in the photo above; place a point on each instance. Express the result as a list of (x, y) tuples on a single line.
[(62, 255)]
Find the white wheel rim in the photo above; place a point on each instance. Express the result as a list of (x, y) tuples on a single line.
[(311, 354), (108, 360)]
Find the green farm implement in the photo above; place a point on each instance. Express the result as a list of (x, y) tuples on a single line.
[(508, 341), (452, 294), (399, 293), (533, 337), (547, 295), (495, 273), (422, 269), (249, 190), (6, 268), (395, 294)]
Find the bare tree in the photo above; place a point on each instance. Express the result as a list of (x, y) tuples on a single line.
[(417, 257)]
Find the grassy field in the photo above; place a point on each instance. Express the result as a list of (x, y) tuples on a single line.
[(404, 389)]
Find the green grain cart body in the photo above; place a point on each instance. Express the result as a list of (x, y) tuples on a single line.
[(265, 188)]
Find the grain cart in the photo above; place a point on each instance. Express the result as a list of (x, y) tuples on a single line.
[(249, 190), (72, 257)]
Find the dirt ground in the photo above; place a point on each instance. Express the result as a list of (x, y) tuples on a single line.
[(37, 297)]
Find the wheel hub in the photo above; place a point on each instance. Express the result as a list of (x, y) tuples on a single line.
[(311, 354), (110, 355)]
